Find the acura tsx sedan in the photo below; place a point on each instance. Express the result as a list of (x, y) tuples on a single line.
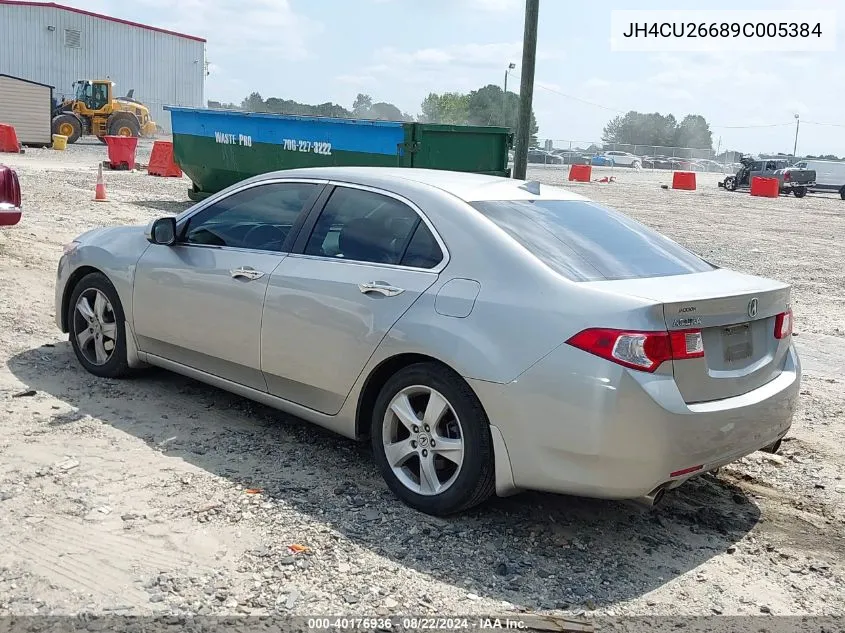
[(486, 335)]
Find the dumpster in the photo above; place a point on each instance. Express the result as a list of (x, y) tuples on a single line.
[(217, 148)]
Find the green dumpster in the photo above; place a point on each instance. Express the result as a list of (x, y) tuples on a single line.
[(217, 148)]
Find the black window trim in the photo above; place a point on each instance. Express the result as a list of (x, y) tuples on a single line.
[(308, 225), (287, 246)]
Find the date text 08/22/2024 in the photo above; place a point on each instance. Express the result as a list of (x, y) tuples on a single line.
[(293, 145)]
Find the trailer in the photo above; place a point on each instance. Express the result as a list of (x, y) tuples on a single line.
[(218, 148)]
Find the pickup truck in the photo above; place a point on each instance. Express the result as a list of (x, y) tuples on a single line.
[(792, 179)]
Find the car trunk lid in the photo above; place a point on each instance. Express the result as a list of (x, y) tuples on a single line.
[(736, 314)]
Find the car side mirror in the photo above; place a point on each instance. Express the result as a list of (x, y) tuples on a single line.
[(162, 231)]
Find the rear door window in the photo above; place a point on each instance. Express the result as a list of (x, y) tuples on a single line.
[(584, 241)]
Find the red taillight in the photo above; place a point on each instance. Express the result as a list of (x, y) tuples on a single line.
[(645, 351), (787, 177), (783, 324)]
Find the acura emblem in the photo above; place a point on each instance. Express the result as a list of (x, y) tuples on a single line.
[(752, 308)]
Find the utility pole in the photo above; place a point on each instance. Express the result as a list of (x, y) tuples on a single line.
[(526, 89), (795, 147)]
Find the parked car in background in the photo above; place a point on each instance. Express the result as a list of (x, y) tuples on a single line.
[(537, 155), (601, 160), (624, 159), (793, 179), (10, 197), (711, 166), (830, 175), (572, 158), (400, 306), (656, 162)]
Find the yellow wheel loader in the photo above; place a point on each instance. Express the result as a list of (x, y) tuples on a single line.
[(96, 111)]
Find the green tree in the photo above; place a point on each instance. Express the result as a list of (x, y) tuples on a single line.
[(694, 131), (655, 129), (486, 106), (362, 105), (451, 108), (254, 103), (385, 112)]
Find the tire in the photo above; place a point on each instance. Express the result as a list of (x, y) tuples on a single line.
[(67, 125), (465, 486), (108, 327), (730, 183), (123, 125), (842, 192), (636, 165), (799, 192)]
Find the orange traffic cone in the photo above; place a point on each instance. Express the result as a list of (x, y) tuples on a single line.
[(100, 189)]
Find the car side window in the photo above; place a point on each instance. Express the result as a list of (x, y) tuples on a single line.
[(423, 250), (363, 226), (258, 218)]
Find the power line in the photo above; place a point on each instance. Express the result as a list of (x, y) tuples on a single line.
[(825, 124), (720, 127), (748, 127)]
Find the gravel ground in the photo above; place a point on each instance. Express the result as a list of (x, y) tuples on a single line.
[(162, 495)]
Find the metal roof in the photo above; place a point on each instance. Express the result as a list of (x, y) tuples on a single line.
[(53, 5), (29, 81)]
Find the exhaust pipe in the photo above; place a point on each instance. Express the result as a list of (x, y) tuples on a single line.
[(653, 498)]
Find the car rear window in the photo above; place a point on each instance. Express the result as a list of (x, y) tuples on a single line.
[(585, 241)]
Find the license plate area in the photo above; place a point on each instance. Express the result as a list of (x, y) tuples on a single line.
[(736, 341)]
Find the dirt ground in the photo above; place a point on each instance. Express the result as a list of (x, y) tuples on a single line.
[(161, 495)]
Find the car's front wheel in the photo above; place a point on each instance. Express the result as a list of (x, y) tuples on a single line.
[(431, 440), (97, 327)]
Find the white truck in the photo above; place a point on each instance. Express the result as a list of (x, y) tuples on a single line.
[(830, 175)]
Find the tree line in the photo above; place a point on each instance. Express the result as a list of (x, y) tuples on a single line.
[(486, 106), (655, 129)]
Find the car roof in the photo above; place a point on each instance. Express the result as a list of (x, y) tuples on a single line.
[(463, 185)]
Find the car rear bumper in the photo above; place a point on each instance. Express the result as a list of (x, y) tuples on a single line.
[(580, 425)]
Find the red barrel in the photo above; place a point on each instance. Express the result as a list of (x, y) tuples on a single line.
[(580, 173), (121, 151), (683, 180)]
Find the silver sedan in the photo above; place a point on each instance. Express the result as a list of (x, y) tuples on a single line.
[(487, 335)]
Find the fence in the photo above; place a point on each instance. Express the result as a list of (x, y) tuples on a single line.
[(569, 152), (598, 153)]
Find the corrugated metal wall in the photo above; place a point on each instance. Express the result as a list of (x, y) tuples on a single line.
[(163, 69), (26, 106)]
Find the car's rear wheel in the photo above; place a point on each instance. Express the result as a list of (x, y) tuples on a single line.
[(842, 192), (431, 440), (799, 192), (97, 327), (636, 165)]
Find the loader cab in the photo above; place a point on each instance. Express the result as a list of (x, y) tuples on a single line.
[(95, 95)]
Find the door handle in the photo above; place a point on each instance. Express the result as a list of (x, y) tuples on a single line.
[(246, 272), (381, 287)]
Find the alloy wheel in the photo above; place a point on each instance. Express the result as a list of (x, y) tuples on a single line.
[(95, 327), (423, 440)]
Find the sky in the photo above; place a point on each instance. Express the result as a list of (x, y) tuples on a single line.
[(398, 51)]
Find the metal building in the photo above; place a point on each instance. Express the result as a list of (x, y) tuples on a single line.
[(54, 44), (28, 107)]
